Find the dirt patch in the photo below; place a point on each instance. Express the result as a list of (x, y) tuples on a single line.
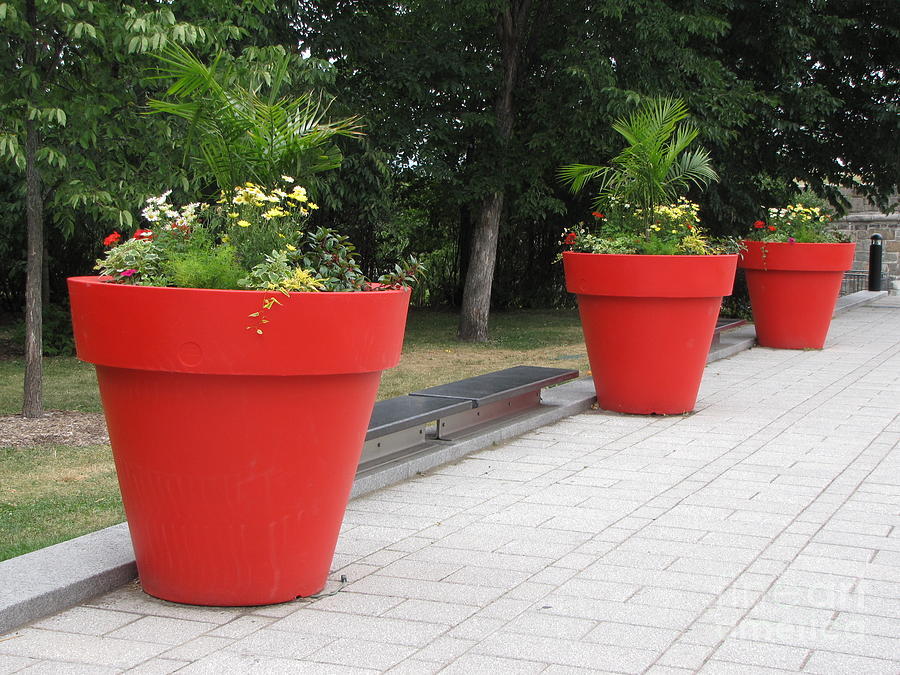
[(56, 427)]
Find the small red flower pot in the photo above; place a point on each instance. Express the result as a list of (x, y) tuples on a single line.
[(235, 451), (793, 290), (648, 323)]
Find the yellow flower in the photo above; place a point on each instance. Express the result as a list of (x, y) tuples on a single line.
[(233, 214), (313, 206), (287, 179), (291, 248), (274, 212), (243, 223)]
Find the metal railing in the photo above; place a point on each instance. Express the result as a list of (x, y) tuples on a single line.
[(871, 280), (854, 282)]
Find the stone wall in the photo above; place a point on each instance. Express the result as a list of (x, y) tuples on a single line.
[(861, 222)]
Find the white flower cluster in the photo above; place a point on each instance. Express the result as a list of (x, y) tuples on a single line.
[(159, 211)]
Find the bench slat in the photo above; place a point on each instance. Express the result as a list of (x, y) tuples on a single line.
[(491, 387), (403, 412)]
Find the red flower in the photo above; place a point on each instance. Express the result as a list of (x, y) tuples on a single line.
[(143, 234), (112, 239), (772, 228), (759, 224), (597, 214), (570, 238)]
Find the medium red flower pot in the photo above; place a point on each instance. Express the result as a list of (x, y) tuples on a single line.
[(793, 290), (235, 451), (648, 323)]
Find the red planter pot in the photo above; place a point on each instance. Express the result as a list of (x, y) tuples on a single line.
[(793, 290), (235, 452), (648, 324)]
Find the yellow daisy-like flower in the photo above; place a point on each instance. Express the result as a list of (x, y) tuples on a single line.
[(291, 248), (233, 214), (287, 179), (243, 223), (274, 212), (313, 206)]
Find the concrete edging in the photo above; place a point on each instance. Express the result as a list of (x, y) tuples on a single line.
[(51, 579)]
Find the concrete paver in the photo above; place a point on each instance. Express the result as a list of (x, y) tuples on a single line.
[(759, 535)]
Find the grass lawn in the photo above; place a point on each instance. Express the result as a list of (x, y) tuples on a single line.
[(50, 494)]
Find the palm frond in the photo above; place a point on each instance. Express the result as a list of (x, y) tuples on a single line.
[(237, 134), (576, 176), (692, 168), (653, 168)]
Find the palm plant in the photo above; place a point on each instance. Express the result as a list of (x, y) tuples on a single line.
[(236, 135), (655, 168)]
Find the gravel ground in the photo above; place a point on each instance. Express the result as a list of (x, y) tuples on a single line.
[(56, 427)]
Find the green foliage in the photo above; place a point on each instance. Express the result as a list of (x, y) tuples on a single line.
[(236, 134), (140, 262), (814, 101), (257, 220), (276, 273), (205, 268), (405, 273), (655, 168), (330, 257)]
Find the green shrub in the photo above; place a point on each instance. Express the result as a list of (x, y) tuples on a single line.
[(205, 268)]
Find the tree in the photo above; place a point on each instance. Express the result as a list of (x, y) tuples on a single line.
[(69, 123), (475, 99), (517, 22), (827, 111)]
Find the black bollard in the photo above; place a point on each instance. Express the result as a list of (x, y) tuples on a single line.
[(876, 250)]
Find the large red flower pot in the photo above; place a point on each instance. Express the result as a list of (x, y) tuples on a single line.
[(648, 323), (793, 290), (235, 451)]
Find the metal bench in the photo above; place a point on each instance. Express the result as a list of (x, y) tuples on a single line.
[(410, 424), (724, 324)]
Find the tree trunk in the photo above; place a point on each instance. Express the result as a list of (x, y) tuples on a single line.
[(45, 276), (476, 304), (512, 26), (33, 404)]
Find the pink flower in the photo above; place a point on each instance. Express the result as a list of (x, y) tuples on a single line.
[(791, 240), (128, 273)]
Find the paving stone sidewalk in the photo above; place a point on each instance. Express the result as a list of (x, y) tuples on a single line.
[(759, 535)]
